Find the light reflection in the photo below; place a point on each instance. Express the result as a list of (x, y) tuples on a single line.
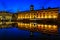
[(48, 28), (45, 28)]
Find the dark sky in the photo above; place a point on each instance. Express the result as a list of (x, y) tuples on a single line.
[(23, 5)]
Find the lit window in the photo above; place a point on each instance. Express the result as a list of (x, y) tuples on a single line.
[(50, 17), (54, 16)]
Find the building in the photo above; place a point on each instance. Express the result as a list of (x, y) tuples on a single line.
[(5, 16), (50, 13)]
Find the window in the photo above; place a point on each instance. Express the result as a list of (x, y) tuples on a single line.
[(43, 14), (51, 12), (56, 12), (33, 13), (37, 14), (51, 15)]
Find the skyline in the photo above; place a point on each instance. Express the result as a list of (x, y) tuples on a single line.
[(23, 5)]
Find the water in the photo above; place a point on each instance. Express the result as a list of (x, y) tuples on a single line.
[(35, 30)]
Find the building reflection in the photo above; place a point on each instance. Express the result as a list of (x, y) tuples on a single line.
[(34, 27), (47, 28), (6, 24)]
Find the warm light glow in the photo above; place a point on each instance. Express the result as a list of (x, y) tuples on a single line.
[(55, 27), (40, 27), (50, 17), (42, 17), (9, 22), (54, 16), (31, 15), (0, 22), (48, 28), (45, 25), (46, 17)]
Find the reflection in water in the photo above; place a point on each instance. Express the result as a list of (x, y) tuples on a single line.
[(44, 28), (34, 27), (6, 24), (47, 28)]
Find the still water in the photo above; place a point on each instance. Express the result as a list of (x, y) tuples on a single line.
[(31, 30)]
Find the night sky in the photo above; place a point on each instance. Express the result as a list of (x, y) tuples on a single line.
[(23, 5)]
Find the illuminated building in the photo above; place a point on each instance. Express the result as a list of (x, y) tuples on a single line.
[(50, 13), (5, 16)]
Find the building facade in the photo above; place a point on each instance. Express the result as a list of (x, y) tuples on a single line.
[(5, 16), (50, 13)]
